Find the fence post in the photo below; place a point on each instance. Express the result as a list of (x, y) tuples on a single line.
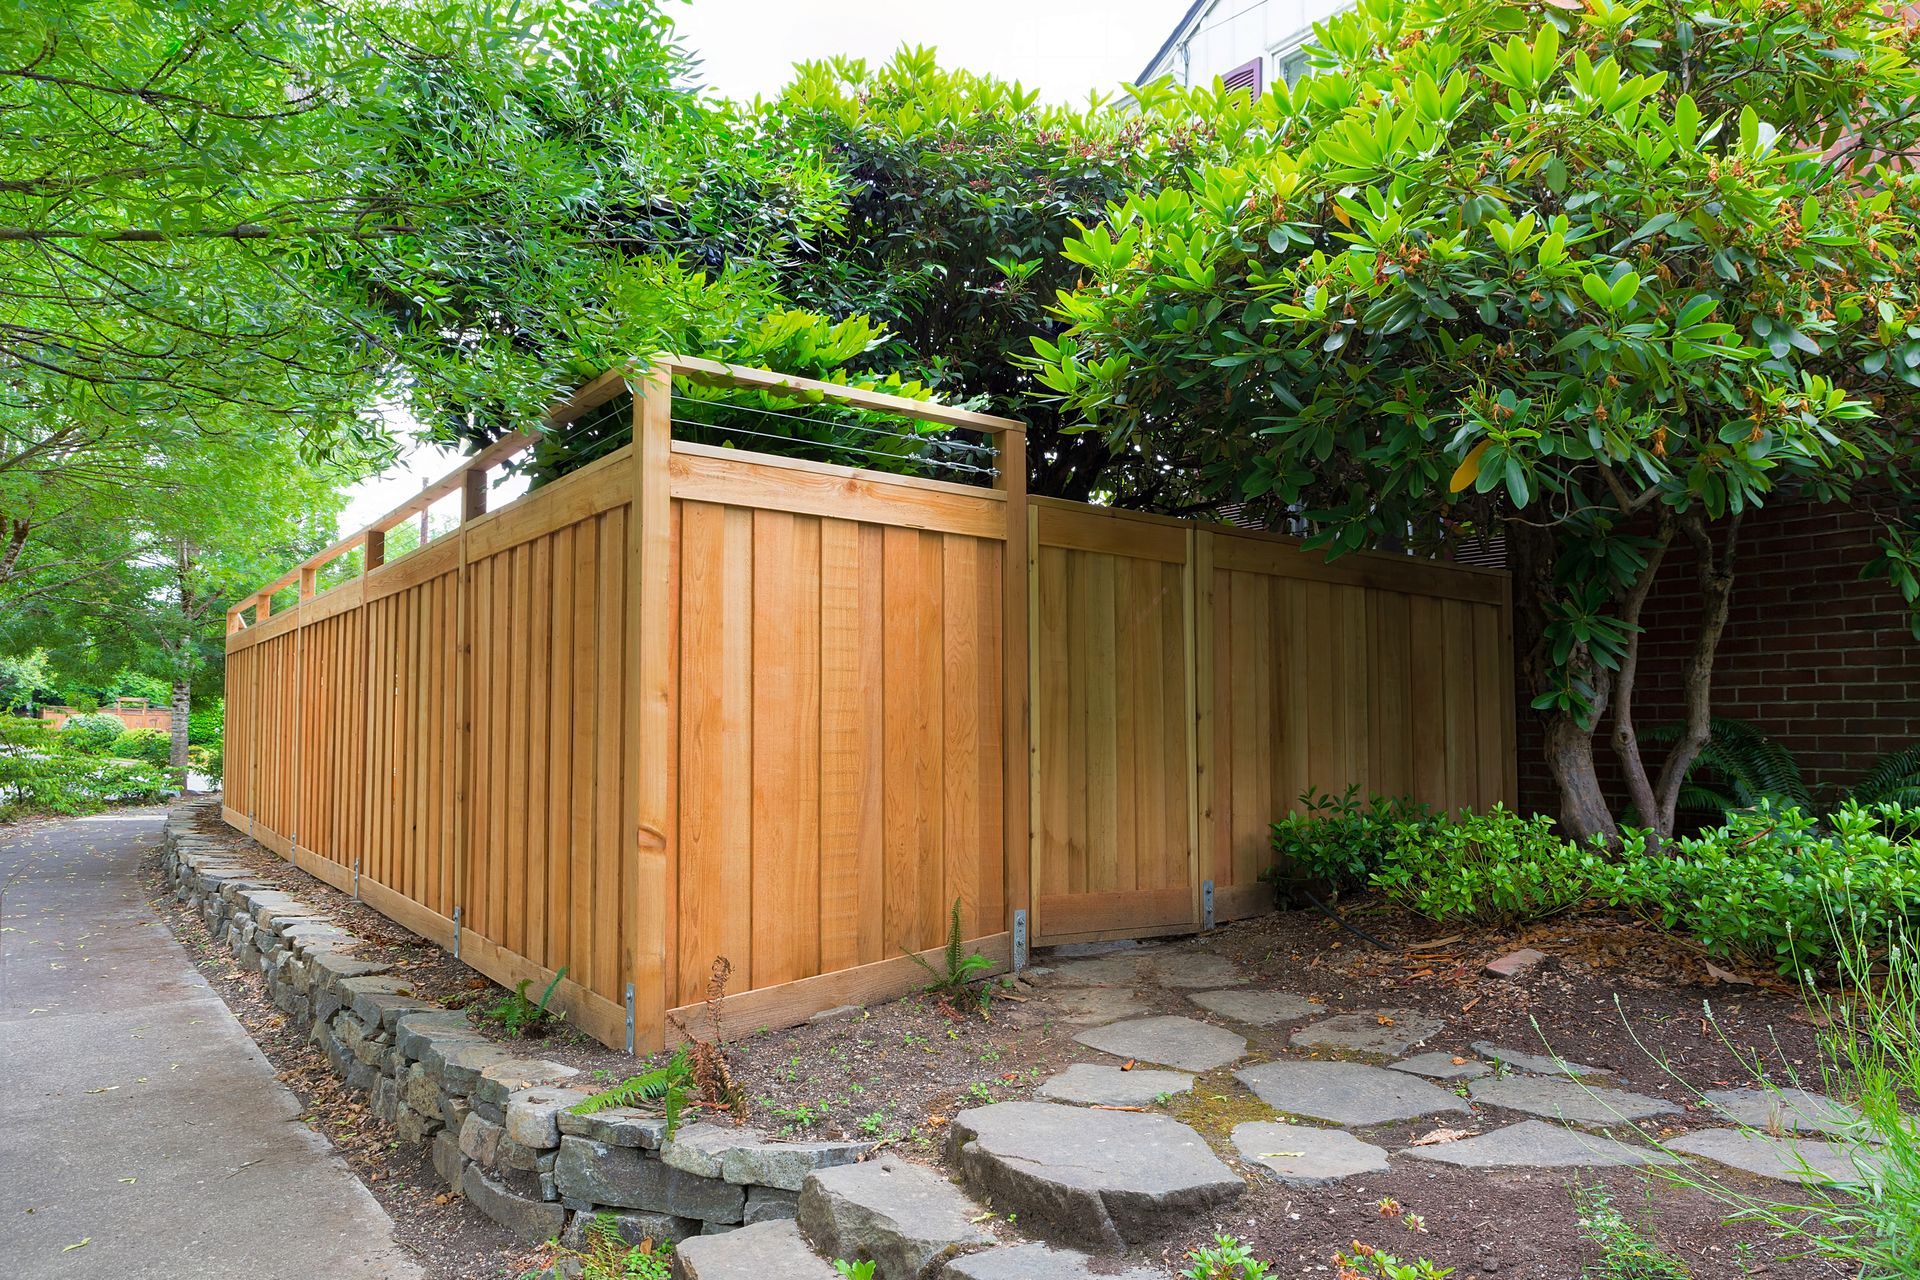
[(1016, 762), (376, 550), (473, 503), (650, 701)]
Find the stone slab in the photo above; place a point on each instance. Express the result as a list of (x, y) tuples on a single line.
[(1346, 1093), (1536, 1144), (1780, 1159), (1442, 1066), (1101, 1085), (1038, 1262), (1091, 1006), (1256, 1008), (764, 1251), (528, 1219), (1097, 1179), (1547, 1064), (1300, 1156), (1784, 1110), (1559, 1098), (1147, 966), (903, 1217), (1388, 1033), (1169, 1041)]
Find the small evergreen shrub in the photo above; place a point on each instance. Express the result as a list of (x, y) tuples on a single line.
[(94, 733), (151, 745), (1494, 868), (1778, 887), (1339, 841), (39, 775)]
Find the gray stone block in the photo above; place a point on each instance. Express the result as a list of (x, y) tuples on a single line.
[(480, 1140), (617, 1127), (1037, 1262), (765, 1251), (905, 1217), (769, 1204), (785, 1165), (1100, 1179), (533, 1115), (1345, 1092), (1172, 1041), (622, 1176), (447, 1160), (1109, 1086), (1300, 1156), (498, 1081), (528, 1218)]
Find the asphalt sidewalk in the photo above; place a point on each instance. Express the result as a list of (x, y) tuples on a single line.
[(142, 1132)]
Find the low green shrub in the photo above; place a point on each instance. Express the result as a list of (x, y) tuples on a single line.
[(206, 725), (38, 777), (1778, 887), (93, 733), (1494, 868), (1338, 840), (151, 745)]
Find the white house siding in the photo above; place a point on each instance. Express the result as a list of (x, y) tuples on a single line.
[(1226, 34)]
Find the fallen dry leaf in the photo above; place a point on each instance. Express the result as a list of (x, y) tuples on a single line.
[(1434, 1137)]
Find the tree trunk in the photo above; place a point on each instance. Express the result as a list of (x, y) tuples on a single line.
[(1626, 742), (1713, 576), (177, 727), (1584, 813)]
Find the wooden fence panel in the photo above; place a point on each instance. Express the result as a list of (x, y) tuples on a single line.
[(1359, 673), (839, 767), (334, 695), (1113, 846), (546, 874)]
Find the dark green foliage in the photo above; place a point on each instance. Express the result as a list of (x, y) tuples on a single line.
[(94, 733), (206, 725), (151, 745), (959, 966), (520, 1017), (607, 1255), (40, 774), (1893, 779), (1737, 769), (1494, 868), (669, 1085), (1337, 840), (1780, 888)]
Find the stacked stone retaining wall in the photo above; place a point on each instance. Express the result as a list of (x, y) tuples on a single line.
[(499, 1122)]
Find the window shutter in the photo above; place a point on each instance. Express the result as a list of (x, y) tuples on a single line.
[(1245, 76)]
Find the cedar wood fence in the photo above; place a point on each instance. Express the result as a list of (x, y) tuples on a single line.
[(690, 702)]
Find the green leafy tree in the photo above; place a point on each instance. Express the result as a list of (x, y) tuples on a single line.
[(1600, 279)]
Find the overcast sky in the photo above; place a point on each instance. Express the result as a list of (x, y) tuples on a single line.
[(1064, 48)]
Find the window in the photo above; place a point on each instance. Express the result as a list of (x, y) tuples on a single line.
[(1290, 61)]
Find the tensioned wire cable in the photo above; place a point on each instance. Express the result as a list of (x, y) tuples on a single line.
[(844, 448)]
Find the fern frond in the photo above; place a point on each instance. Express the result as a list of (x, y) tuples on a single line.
[(646, 1087), (1894, 776)]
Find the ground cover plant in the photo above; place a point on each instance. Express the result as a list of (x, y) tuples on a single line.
[(1780, 888)]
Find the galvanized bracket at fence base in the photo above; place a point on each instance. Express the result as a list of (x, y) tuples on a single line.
[(356, 879), (1019, 940), (629, 1017), (456, 933), (1206, 904)]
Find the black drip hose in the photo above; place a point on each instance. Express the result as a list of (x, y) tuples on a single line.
[(1334, 916)]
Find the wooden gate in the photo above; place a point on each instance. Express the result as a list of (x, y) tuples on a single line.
[(1115, 830), (1190, 682)]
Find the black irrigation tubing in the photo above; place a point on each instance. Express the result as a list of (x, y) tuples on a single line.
[(1335, 916)]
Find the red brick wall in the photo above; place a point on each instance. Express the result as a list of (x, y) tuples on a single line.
[(1812, 655)]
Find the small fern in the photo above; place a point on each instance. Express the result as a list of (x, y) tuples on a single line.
[(1738, 768), (961, 966), (666, 1085), (1893, 778)]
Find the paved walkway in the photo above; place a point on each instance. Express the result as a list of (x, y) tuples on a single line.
[(135, 1112)]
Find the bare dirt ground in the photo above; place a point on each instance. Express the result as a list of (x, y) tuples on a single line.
[(1614, 993)]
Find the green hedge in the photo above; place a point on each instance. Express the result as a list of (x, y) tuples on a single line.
[(39, 774), (1775, 887)]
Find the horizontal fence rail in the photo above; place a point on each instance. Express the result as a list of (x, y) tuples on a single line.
[(692, 702)]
